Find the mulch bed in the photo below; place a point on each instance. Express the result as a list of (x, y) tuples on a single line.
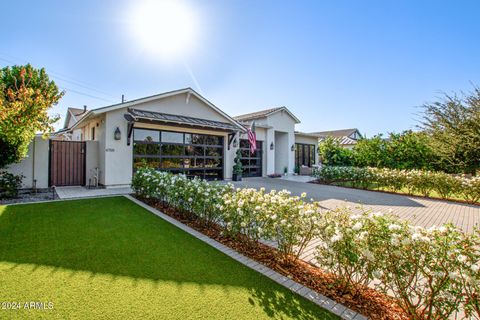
[(397, 193), (366, 301)]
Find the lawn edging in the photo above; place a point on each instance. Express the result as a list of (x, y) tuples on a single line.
[(307, 293)]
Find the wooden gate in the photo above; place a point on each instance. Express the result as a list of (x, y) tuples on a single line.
[(67, 163)]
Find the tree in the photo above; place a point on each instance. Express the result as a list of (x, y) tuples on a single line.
[(332, 154), (410, 150), (371, 152), (454, 126), (26, 95)]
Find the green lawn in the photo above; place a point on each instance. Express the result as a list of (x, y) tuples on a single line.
[(110, 259)]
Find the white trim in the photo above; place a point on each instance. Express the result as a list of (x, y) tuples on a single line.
[(157, 97)]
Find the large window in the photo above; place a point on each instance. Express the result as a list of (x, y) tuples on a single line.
[(193, 154), (251, 163), (304, 154)]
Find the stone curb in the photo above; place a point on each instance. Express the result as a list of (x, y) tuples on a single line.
[(322, 301)]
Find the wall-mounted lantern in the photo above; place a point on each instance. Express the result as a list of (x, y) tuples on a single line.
[(117, 135), (293, 147), (271, 146), (235, 143)]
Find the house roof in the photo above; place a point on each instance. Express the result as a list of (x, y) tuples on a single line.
[(74, 113), (305, 134), (172, 118), (132, 103), (336, 133), (264, 113)]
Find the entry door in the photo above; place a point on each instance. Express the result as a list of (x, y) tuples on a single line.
[(67, 163), (251, 163)]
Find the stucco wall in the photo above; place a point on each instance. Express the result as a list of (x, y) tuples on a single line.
[(92, 161), (35, 165), (119, 156), (283, 122)]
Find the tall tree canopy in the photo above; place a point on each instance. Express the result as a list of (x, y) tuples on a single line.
[(26, 95), (454, 126)]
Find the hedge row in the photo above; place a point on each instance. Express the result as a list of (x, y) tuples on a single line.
[(432, 273), (413, 181)]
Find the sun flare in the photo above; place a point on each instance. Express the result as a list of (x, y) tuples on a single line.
[(164, 28)]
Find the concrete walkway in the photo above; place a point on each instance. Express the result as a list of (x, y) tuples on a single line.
[(423, 212), (82, 192)]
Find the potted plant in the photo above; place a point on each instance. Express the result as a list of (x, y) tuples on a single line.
[(285, 171), (237, 167)]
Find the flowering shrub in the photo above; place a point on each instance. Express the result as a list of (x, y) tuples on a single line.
[(415, 181), (432, 273)]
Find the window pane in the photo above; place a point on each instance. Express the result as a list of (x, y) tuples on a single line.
[(193, 151), (213, 152), (172, 150), (244, 144), (188, 138), (198, 139), (146, 149), (171, 163), (196, 162), (213, 140), (146, 163), (172, 137), (146, 135), (213, 163)]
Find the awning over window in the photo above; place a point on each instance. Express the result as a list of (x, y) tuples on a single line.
[(135, 115)]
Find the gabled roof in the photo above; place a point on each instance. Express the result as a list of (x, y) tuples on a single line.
[(133, 103), (74, 113), (337, 133), (264, 113)]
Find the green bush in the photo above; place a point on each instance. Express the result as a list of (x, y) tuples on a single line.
[(9, 184), (415, 181)]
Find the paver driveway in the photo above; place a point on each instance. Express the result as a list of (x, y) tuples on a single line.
[(419, 211), (424, 212)]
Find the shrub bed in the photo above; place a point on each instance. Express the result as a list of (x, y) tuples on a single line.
[(431, 273), (418, 182)]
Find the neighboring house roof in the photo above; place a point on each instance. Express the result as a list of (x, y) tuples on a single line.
[(264, 113), (337, 133), (132, 103), (74, 113), (344, 136), (172, 118)]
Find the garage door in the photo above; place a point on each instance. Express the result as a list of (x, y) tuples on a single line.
[(179, 152), (251, 163)]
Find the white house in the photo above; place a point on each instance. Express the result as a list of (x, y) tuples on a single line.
[(177, 131)]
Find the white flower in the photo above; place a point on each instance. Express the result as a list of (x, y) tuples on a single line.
[(190, 199), (357, 226), (303, 195), (462, 258), (394, 227), (336, 237), (475, 267)]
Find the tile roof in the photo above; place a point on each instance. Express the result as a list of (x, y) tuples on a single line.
[(165, 117)]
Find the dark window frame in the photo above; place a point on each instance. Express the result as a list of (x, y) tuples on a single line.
[(302, 151), (161, 157), (255, 170)]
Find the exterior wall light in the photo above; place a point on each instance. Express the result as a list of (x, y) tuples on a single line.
[(293, 147), (117, 135), (271, 146), (235, 143)]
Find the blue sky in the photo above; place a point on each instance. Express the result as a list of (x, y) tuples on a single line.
[(334, 64)]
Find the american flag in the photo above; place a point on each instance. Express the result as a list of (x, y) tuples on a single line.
[(252, 138)]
